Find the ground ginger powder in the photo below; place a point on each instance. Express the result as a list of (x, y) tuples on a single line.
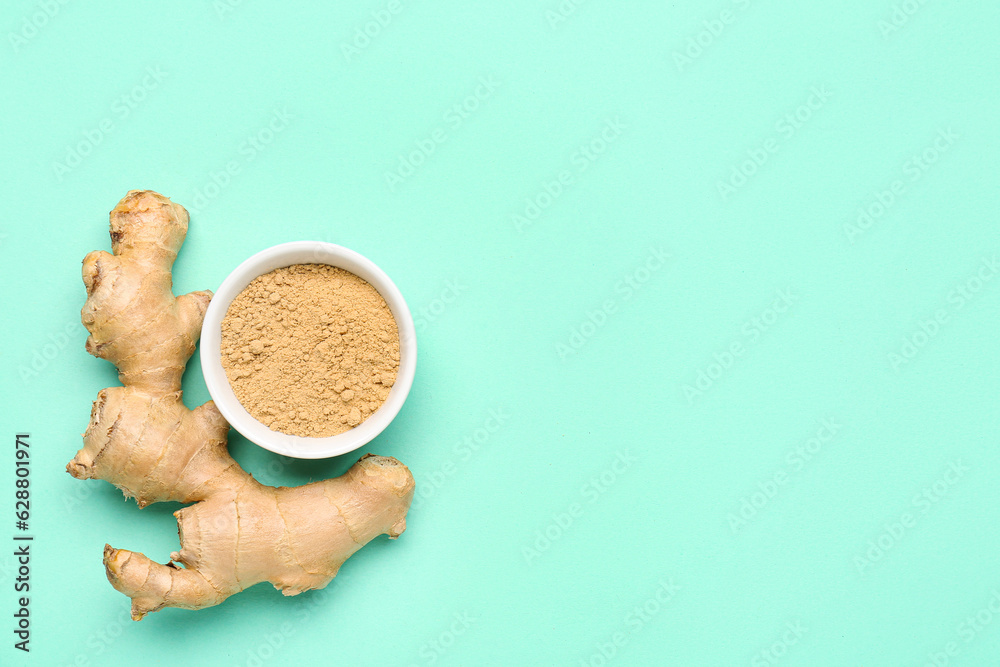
[(310, 349)]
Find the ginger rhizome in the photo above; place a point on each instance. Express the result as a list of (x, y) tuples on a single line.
[(142, 439)]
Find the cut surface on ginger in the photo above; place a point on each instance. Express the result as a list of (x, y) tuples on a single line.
[(310, 349), (142, 439)]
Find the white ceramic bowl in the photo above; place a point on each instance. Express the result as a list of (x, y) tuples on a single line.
[(286, 254)]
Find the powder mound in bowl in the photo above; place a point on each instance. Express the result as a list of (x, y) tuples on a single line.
[(310, 349)]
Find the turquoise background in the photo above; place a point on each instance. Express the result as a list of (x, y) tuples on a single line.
[(620, 479)]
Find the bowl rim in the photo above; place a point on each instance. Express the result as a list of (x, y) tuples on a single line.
[(288, 254)]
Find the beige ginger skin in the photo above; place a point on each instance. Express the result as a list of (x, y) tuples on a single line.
[(142, 439)]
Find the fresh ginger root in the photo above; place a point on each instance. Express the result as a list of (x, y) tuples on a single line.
[(142, 439)]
